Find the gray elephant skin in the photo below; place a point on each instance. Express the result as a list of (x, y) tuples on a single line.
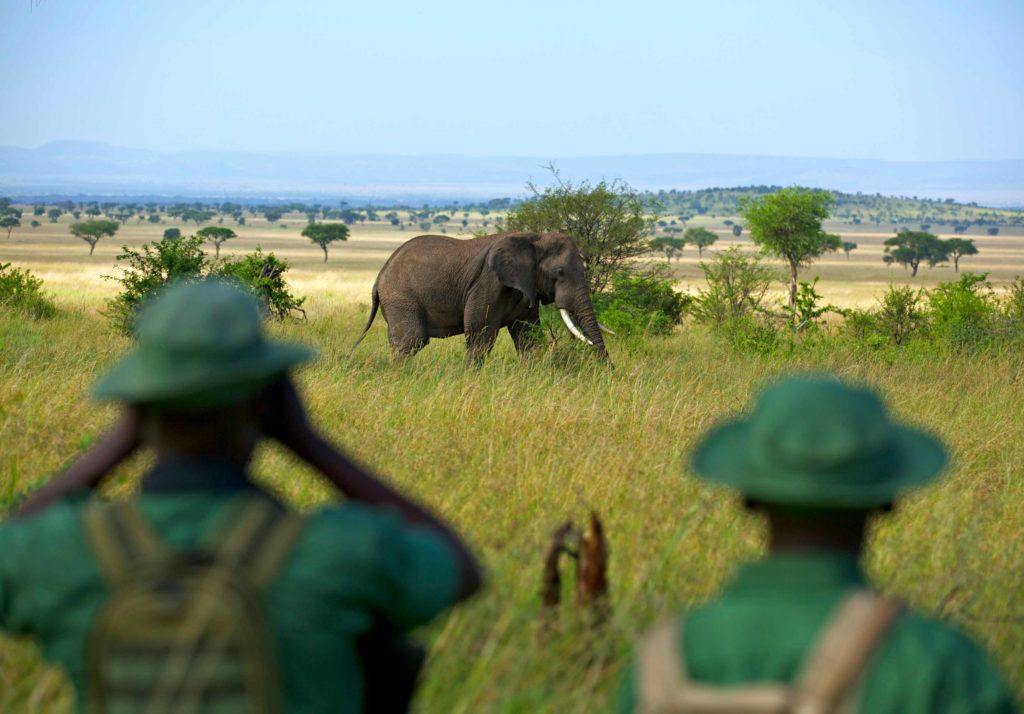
[(436, 286)]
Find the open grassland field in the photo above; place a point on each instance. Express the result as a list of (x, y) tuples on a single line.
[(511, 450)]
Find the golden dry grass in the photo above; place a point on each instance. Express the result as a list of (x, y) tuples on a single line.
[(511, 450)]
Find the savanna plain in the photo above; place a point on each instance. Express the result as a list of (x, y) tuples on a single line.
[(509, 451)]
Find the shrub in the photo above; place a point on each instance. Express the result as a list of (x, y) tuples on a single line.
[(640, 304), (263, 276), (807, 311), (22, 291), (1013, 304), (752, 333), (898, 317), (737, 285), (964, 311), (151, 267)]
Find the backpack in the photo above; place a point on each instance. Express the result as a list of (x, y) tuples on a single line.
[(827, 680), (186, 631)]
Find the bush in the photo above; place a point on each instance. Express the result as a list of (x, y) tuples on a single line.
[(899, 316), (640, 304), (22, 291), (964, 311), (807, 311), (157, 263), (263, 276), (1013, 304), (737, 285)]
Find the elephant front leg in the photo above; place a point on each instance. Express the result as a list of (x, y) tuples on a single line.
[(525, 334), (479, 342)]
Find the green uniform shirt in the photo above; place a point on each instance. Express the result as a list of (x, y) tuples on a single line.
[(768, 618), (351, 564)]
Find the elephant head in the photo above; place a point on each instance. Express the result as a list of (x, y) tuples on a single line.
[(548, 267)]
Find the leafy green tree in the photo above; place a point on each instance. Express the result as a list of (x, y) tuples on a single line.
[(787, 224), (9, 221), (92, 231), (197, 215), (993, 231), (38, 210), (911, 248), (737, 230), (669, 245), (272, 214), (154, 218), (957, 248), (35, 224), (849, 247), (54, 214), (323, 234), (351, 215), (172, 234), (700, 237), (608, 221), (216, 235)]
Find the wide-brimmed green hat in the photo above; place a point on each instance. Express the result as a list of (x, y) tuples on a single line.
[(200, 345), (814, 441)]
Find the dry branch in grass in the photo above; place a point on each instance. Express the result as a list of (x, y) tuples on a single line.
[(589, 550)]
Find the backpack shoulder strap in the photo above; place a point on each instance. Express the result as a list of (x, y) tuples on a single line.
[(836, 662), (257, 539), (664, 686), (121, 539)]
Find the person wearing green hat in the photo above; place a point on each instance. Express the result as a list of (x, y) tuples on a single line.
[(333, 588), (800, 630)]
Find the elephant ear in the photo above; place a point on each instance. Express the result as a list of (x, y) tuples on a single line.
[(514, 261)]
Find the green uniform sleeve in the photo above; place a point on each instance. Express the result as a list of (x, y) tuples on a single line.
[(626, 696), (421, 574), (402, 574), (929, 666)]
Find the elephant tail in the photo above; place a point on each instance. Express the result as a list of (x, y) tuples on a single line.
[(373, 314)]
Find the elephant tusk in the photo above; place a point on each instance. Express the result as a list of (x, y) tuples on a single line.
[(605, 329), (572, 327)]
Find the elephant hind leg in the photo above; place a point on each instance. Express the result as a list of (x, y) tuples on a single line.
[(407, 336)]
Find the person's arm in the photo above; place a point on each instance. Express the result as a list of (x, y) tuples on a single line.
[(285, 420), (88, 471)]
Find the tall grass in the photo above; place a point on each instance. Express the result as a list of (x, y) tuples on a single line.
[(509, 451)]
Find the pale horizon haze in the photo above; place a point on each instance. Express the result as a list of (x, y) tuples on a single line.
[(904, 81)]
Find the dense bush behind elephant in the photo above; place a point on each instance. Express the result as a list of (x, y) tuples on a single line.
[(436, 286)]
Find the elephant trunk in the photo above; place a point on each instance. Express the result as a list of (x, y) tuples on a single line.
[(582, 314)]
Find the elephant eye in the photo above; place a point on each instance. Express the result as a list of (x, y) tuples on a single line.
[(559, 272)]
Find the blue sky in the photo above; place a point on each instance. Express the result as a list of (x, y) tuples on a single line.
[(552, 78)]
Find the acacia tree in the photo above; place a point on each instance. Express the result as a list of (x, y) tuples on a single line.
[(700, 237), (957, 248), (323, 234), (9, 221), (671, 246), (607, 221), (787, 224), (92, 231), (54, 214), (737, 230), (910, 248), (216, 235), (172, 234), (849, 247)]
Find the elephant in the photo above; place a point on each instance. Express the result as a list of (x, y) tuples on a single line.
[(436, 286)]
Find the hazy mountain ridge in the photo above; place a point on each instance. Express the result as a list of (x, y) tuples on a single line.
[(90, 167)]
